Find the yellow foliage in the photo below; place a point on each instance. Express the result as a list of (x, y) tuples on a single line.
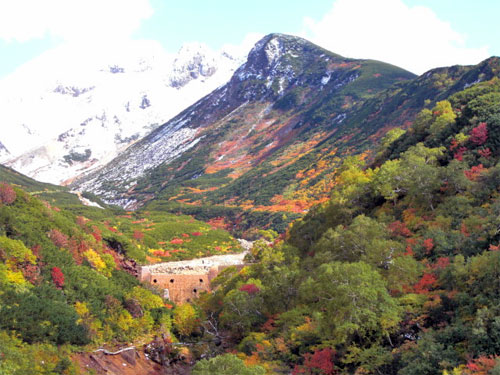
[(81, 309), (185, 319), (15, 277), (308, 326), (145, 298), (125, 321), (95, 260)]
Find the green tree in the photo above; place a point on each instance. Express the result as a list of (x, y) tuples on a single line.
[(443, 116), (389, 180), (227, 364), (351, 299), (422, 176), (185, 319)]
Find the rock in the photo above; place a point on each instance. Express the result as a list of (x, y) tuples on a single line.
[(129, 356)]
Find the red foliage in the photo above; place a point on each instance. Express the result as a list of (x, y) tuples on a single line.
[(428, 245), (196, 234), (269, 325), (399, 229), (454, 144), (441, 263), (250, 288), (96, 233), (459, 155), (36, 251), (7, 193), (185, 235), (177, 241), (77, 248), (464, 230), (409, 251), (494, 248), (481, 366), (31, 272), (138, 235), (486, 153), (59, 239), (80, 221), (320, 362), (57, 277), (427, 281), (473, 173), (479, 134)]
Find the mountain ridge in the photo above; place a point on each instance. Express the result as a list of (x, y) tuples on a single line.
[(276, 66)]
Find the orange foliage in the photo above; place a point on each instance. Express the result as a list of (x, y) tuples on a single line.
[(481, 366), (427, 281), (473, 173)]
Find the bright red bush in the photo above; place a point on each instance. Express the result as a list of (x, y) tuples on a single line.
[(57, 277), (427, 281), (479, 134), (399, 229), (319, 362), (249, 288), (428, 245), (96, 233), (473, 173)]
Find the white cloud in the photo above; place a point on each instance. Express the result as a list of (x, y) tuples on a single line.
[(413, 38), (87, 21), (245, 46)]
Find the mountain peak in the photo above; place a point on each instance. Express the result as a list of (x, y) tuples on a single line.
[(271, 49)]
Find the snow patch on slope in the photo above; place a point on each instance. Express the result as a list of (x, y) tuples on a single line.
[(62, 104)]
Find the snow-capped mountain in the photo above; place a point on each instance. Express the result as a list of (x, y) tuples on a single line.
[(4, 153), (67, 114), (262, 114)]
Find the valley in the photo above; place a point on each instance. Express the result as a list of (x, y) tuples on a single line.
[(312, 214)]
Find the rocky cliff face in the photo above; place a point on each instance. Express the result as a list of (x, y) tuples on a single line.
[(81, 117)]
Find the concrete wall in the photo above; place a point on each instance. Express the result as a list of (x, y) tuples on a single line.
[(183, 287)]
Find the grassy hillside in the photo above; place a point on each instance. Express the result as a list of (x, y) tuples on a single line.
[(67, 275)]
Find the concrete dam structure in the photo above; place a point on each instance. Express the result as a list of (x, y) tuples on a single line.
[(184, 280)]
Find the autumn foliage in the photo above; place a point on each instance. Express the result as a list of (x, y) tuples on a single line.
[(57, 277), (479, 134), (58, 238), (7, 194), (249, 288), (319, 362)]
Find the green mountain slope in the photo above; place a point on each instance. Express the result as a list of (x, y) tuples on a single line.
[(398, 272), (68, 274), (264, 147)]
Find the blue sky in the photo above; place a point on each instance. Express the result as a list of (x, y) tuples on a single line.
[(414, 34)]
